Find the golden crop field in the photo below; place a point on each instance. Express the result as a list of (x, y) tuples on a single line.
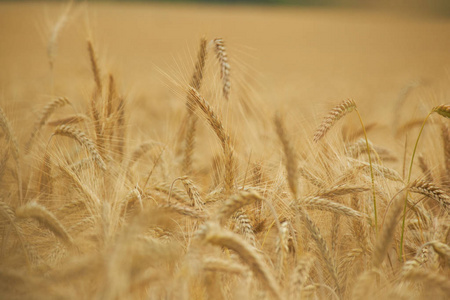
[(155, 151)]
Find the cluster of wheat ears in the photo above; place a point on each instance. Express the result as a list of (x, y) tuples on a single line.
[(83, 217)]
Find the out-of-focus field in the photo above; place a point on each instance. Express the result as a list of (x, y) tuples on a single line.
[(301, 58)]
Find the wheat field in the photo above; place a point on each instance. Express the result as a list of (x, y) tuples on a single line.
[(153, 151)]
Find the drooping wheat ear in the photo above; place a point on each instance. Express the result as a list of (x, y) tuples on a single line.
[(40, 213), (8, 213), (430, 190), (341, 190), (235, 203), (79, 136), (70, 120), (443, 110), (290, 157), (223, 136), (45, 114), (193, 193), (430, 279), (45, 179), (386, 237), (282, 248), (440, 248), (326, 205), (300, 274), (244, 226), (446, 142), (335, 114), (221, 265), (305, 173), (12, 140), (379, 170), (182, 210), (217, 236), (222, 57), (172, 192), (94, 66), (321, 244)]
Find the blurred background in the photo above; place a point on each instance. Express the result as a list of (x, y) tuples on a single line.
[(302, 56)]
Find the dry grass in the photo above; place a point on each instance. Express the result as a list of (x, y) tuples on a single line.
[(130, 197)]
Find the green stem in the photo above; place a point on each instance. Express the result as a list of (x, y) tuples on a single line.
[(407, 183), (371, 173)]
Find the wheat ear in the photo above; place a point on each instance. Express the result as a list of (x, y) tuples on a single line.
[(196, 83), (235, 203), (222, 57), (70, 120), (8, 213), (40, 213), (79, 136), (321, 244), (193, 193), (291, 159), (247, 253), (334, 115), (431, 191), (94, 66), (224, 138), (11, 137), (327, 205), (221, 265), (45, 114)]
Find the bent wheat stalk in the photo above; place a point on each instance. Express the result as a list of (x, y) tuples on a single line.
[(443, 110)]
